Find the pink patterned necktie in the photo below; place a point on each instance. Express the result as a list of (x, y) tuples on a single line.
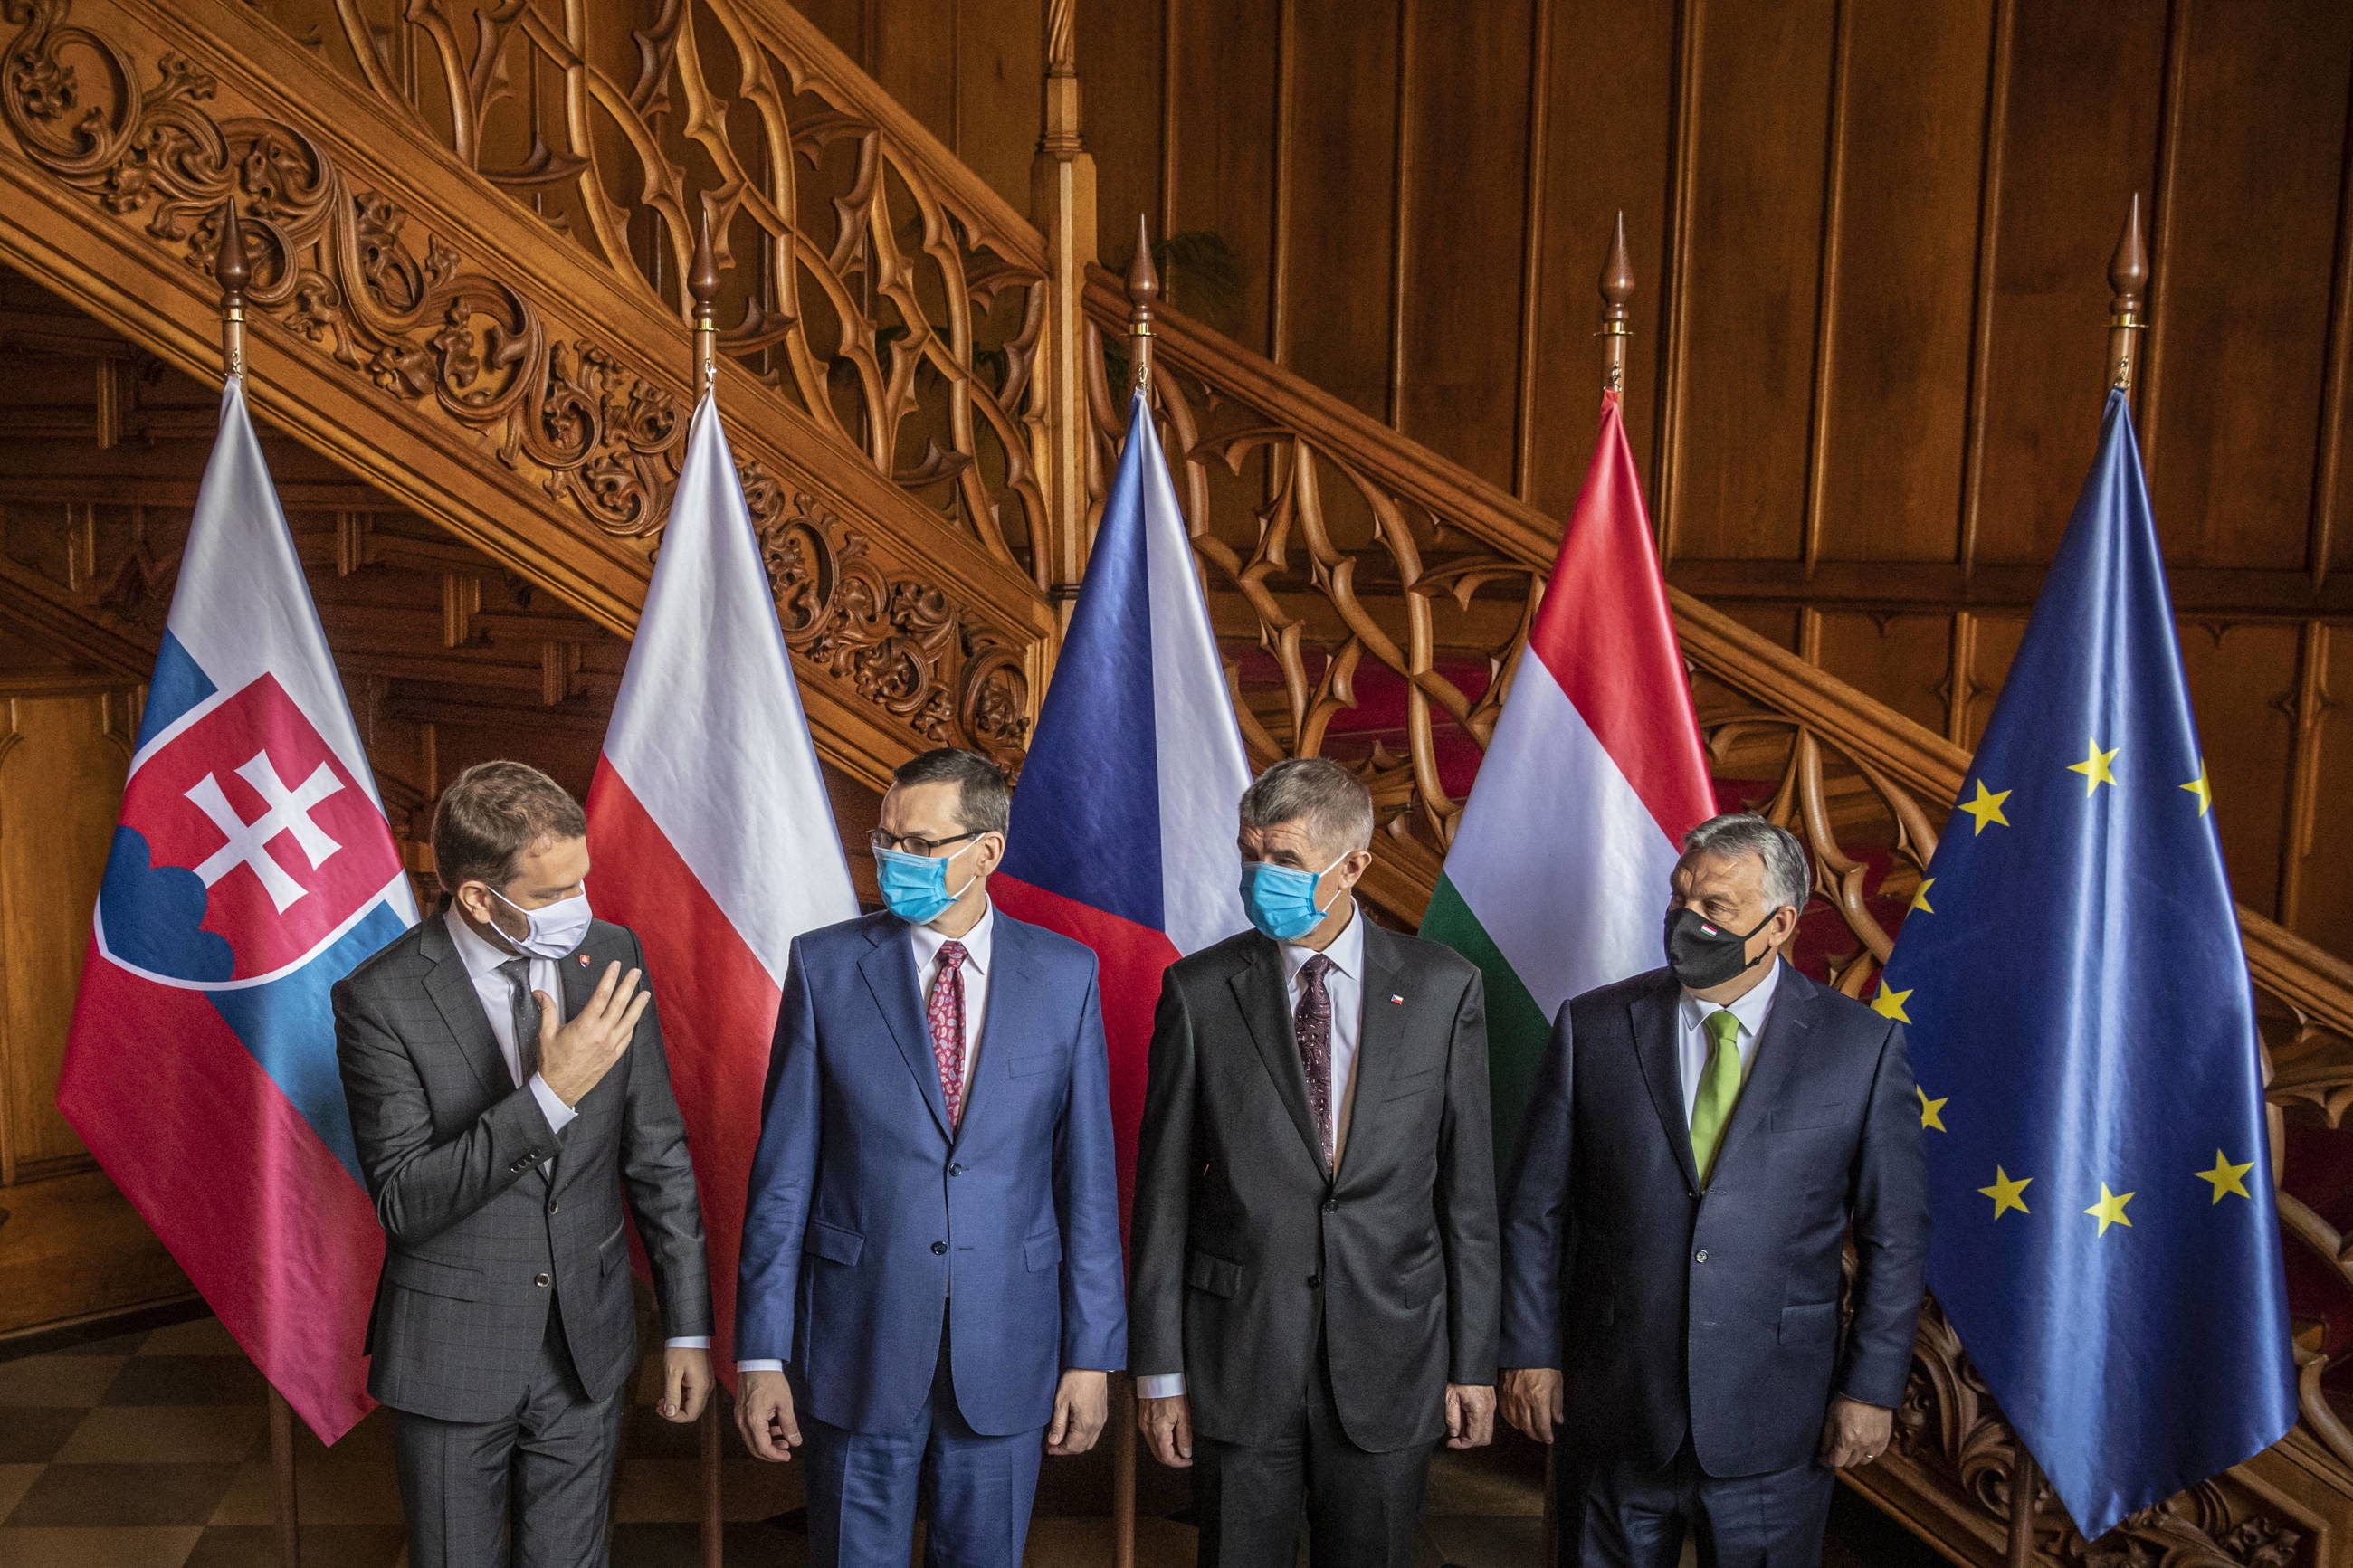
[(947, 1010), (1311, 1022)]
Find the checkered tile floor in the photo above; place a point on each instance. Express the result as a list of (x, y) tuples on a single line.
[(151, 1450)]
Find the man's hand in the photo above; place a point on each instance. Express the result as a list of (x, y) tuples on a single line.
[(1854, 1433), (686, 1384), (1167, 1428), (1082, 1406), (763, 1414), (575, 1058), (1469, 1415), (1534, 1400)]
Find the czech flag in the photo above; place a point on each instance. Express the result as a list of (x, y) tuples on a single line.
[(252, 869), (710, 831), (1122, 832)]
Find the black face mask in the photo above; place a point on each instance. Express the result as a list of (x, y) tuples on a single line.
[(1704, 954)]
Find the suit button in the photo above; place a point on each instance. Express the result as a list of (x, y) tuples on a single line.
[(540, 1280), (1331, 1205), (939, 1248), (1315, 1281), (552, 1207), (1701, 1256), (955, 1170)]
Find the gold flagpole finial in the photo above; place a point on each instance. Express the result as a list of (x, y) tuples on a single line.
[(1142, 289), (1617, 288), (232, 271), (2129, 277), (702, 285)]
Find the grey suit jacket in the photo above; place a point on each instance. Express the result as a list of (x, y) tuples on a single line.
[(489, 1217), (1248, 1251)]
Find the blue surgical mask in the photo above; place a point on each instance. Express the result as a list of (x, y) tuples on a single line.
[(915, 887), (1282, 898)]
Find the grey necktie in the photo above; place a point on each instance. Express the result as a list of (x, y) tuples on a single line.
[(526, 1012)]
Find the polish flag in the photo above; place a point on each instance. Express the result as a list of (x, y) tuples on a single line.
[(710, 829), (1123, 832), (1557, 881)]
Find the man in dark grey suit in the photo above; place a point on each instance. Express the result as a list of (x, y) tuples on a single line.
[(1314, 1298), (506, 1082), (1703, 1140)]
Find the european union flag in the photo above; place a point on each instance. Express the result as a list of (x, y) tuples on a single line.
[(2083, 1034)]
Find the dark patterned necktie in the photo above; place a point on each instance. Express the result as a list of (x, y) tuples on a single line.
[(947, 1010), (1312, 1026), (524, 1003)]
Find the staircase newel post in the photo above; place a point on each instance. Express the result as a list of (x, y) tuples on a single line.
[(1062, 204)]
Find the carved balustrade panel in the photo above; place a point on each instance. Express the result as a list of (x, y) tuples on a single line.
[(1331, 549), (873, 282)]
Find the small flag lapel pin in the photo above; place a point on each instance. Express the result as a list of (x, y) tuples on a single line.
[(1399, 1000), (584, 961)]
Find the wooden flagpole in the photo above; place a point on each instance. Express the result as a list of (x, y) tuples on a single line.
[(702, 286), (232, 270)]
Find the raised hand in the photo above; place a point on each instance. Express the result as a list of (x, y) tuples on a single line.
[(575, 1058)]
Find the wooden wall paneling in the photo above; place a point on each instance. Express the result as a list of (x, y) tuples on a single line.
[(917, 49), (2242, 686), (1221, 121), (1745, 378), (2240, 283), (1000, 69), (1902, 660), (2306, 791), (1339, 181), (73, 1247), (2324, 909), (1609, 92), (1892, 416), (1463, 218), (1993, 644), (844, 22), (2078, 137), (1120, 75), (65, 748)]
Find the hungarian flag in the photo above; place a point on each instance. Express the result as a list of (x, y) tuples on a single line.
[(1122, 832), (710, 830), (251, 870), (1558, 877)]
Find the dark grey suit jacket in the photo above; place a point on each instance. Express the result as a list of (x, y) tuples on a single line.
[(1244, 1246), (1671, 1311), (489, 1217)]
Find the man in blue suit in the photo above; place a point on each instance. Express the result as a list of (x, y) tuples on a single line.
[(932, 1290), (1703, 1140)]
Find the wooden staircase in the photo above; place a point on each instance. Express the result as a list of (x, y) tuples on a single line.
[(473, 221)]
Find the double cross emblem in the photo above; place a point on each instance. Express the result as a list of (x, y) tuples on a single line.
[(286, 809)]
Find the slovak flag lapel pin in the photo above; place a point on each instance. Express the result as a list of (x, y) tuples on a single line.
[(584, 961)]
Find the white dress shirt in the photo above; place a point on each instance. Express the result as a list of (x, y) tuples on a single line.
[(482, 961), (979, 944), (1343, 983), (1698, 1047)]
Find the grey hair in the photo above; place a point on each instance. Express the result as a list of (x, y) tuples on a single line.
[(1320, 795), (1787, 877)]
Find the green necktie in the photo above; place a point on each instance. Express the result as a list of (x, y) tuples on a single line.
[(1719, 1092)]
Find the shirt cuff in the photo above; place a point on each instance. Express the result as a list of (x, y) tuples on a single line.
[(688, 1343), (759, 1366), (1160, 1385), (559, 1115)]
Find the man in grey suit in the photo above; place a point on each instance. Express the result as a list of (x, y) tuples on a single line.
[(1704, 1141), (507, 1082), (1314, 1300)]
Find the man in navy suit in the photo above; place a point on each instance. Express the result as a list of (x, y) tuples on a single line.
[(1703, 1140), (932, 1243)]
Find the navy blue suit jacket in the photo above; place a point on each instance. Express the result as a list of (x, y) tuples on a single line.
[(865, 1213), (1716, 1314)]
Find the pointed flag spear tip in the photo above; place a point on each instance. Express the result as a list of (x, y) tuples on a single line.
[(2128, 267), (1617, 267), (230, 268), (703, 277), (1143, 281)]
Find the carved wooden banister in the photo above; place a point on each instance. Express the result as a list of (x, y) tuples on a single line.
[(1343, 551)]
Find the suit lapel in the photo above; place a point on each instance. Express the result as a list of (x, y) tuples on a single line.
[(1377, 1031), (889, 968), (1259, 988), (1657, 1045), (1013, 979), (1774, 1064), (460, 1006)]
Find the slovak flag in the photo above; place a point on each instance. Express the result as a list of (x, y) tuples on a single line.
[(710, 831), (1123, 832), (251, 870)]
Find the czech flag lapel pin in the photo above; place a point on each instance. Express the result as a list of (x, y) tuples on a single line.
[(1399, 1000)]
